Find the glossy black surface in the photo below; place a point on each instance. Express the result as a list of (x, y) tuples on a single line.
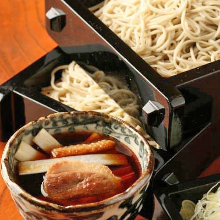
[(86, 33), (57, 19), (188, 111), (171, 197)]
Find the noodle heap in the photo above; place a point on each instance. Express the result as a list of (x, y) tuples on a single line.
[(172, 36), (84, 91), (208, 208)]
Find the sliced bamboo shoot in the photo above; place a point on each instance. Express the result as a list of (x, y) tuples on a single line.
[(46, 141), (41, 166), (27, 152)]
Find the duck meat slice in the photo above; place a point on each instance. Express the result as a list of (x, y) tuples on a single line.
[(75, 179)]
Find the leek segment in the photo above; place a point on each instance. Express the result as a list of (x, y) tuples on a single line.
[(41, 166), (46, 141), (27, 152)]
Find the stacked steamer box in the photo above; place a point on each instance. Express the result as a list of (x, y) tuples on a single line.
[(180, 112)]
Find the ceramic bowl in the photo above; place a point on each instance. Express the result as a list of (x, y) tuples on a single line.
[(125, 205)]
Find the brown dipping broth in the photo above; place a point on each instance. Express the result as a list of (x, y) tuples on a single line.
[(128, 173)]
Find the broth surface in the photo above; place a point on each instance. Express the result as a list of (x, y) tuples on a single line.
[(128, 173)]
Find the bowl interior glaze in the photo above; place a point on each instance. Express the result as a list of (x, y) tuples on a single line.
[(78, 122)]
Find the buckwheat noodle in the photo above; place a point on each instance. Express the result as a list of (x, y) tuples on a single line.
[(95, 91), (172, 36)]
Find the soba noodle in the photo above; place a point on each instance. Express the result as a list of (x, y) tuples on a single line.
[(172, 36), (86, 91)]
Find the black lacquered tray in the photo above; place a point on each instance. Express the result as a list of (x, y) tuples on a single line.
[(171, 197)]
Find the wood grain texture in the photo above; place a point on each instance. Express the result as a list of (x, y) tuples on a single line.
[(23, 40)]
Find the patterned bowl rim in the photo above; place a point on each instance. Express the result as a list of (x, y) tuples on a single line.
[(136, 186)]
